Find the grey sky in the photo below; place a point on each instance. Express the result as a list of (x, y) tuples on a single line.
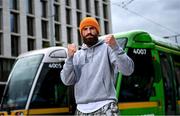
[(159, 17)]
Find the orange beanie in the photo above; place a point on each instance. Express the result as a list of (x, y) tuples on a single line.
[(89, 21)]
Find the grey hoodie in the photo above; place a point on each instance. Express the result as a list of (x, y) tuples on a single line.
[(92, 71)]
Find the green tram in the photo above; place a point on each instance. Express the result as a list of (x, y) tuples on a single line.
[(34, 86)]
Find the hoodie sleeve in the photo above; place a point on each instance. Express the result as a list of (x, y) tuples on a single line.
[(67, 74), (121, 60)]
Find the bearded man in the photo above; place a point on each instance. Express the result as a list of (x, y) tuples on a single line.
[(92, 68)]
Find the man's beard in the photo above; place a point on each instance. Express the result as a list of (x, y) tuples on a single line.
[(90, 41)]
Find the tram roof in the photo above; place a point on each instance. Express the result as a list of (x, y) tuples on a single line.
[(47, 51), (135, 35)]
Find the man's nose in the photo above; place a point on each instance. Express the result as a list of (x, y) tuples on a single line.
[(88, 30)]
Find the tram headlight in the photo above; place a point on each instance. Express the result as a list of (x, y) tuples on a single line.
[(19, 114), (1, 114)]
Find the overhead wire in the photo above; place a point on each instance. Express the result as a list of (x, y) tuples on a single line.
[(124, 5)]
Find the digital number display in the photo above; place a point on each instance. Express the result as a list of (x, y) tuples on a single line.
[(139, 51), (55, 65)]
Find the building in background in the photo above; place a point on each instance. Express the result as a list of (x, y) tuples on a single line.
[(27, 25)]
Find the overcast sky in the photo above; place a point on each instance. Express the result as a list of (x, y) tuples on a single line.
[(159, 17)]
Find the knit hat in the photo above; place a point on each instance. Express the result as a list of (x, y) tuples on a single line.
[(89, 21)]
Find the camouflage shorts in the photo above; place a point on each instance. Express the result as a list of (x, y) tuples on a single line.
[(110, 109)]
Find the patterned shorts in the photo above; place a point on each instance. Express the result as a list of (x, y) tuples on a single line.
[(110, 109)]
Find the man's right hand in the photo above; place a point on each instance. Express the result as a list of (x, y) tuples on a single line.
[(71, 49)]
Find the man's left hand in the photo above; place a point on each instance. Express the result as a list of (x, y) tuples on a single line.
[(110, 40)]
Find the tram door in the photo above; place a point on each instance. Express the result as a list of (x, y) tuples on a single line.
[(50, 92), (169, 85)]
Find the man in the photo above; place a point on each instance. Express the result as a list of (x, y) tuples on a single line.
[(91, 70)]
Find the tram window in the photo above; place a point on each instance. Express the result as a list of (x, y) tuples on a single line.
[(122, 42), (168, 77), (176, 60), (138, 86), (50, 91)]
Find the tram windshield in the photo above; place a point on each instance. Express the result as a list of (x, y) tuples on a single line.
[(22, 76)]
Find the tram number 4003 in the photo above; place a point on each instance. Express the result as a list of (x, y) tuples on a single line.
[(139, 51)]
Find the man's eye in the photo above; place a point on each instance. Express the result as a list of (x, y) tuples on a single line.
[(92, 28), (85, 28)]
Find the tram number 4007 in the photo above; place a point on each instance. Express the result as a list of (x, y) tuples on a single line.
[(139, 51)]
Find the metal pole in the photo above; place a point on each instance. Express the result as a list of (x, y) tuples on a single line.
[(176, 39), (52, 35)]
